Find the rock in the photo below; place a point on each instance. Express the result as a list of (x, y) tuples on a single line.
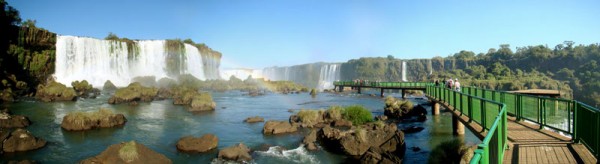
[(254, 119), (203, 144), (310, 139), (278, 127), (128, 152), (291, 110), (6, 95), (22, 162), (202, 102), (102, 118), (13, 121), (381, 118), (239, 153), (415, 149), (85, 90), (133, 92), (109, 86), (412, 129), (22, 140), (342, 123), (377, 155), (356, 141), (54, 91)]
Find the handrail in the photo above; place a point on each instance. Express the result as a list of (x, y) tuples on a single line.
[(491, 150), (382, 84)]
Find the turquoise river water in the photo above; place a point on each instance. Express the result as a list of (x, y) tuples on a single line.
[(159, 125)]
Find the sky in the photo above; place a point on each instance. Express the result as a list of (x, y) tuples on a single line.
[(265, 33)]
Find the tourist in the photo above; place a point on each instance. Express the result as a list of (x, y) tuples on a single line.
[(456, 85), (437, 82)]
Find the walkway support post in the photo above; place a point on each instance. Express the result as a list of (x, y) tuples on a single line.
[(403, 93), (341, 88), (458, 128), (381, 92), (436, 108), (358, 90)]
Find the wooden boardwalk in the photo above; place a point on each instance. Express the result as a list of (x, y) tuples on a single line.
[(530, 144)]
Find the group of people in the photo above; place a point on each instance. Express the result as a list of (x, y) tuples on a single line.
[(450, 84)]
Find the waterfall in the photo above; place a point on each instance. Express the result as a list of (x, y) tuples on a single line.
[(404, 71), (96, 60), (328, 74)]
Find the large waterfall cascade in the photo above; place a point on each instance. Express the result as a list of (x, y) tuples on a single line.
[(329, 74), (96, 60), (404, 71), (324, 74)]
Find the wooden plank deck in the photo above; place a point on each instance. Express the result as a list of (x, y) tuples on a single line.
[(530, 144)]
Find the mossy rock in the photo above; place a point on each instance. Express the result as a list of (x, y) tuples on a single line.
[(133, 92), (55, 91), (109, 86), (202, 102)]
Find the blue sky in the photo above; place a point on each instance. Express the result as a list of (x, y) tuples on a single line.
[(263, 33)]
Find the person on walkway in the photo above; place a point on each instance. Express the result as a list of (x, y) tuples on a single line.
[(450, 83), (437, 82), (456, 85)]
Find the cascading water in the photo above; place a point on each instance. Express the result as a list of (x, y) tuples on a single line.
[(95, 60), (329, 74), (404, 71)]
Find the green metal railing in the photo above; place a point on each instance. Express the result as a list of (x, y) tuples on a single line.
[(383, 84), (490, 114), (571, 117)]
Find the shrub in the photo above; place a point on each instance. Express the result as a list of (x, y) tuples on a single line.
[(448, 152), (308, 116), (361, 134), (379, 124), (335, 112), (128, 152), (357, 114)]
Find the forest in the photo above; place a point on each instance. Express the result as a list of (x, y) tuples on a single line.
[(570, 68)]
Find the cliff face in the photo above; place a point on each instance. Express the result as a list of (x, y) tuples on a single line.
[(27, 56)]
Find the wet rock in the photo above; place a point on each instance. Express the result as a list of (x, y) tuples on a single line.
[(239, 153), (415, 149), (381, 118), (310, 140), (202, 102), (342, 123), (13, 121), (84, 89), (133, 92), (109, 86), (22, 162), (254, 119), (358, 140), (395, 108), (102, 118), (54, 91), (22, 140), (128, 152), (203, 144), (412, 129), (378, 155), (278, 127)]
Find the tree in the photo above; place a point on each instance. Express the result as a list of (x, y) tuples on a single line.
[(111, 36), (189, 41), (29, 23)]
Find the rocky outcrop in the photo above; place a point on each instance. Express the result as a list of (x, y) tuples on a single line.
[(22, 162), (203, 144), (128, 152), (102, 118), (404, 109), (54, 91), (378, 155), (133, 92), (85, 90), (310, 140), (254, 119), (319, 118), (238, 153), (20, 140), (358, 140), (196, 101), (13, 121), (109, 86), (278, 127)]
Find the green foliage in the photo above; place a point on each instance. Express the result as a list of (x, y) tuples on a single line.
[(81, 86), (379, 124), (448, 152), (128, 152), (335, 112), (309, 116), (357, 114)]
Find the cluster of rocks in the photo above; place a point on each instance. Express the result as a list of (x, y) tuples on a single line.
[(208, 142), (12, 121), (404, 109), (102, 118), (85, 90), (133, 93), (196, 101)]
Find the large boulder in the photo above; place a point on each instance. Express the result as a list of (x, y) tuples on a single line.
[(239, 153), (395, 108), (13, 121), (109, 86), (278, 127), (203, 144), (202, 102), (102, 118), (254, 119), (310, 140), (54, 91), (134, 92), (21, 140), (128, 152), (358, 140), (319, 118)]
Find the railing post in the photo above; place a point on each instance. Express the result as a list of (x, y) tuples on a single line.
[(483, 114), (470, 108)]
